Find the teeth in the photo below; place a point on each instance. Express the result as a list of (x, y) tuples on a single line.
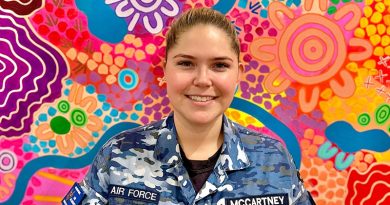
[(201, 99)]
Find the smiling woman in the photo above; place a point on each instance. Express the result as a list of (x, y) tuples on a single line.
[(196, 155)]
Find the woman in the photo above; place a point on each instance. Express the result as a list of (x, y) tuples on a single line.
[(196, 155)]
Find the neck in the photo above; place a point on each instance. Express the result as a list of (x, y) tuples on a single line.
[(199, 142)]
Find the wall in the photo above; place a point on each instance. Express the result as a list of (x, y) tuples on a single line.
[(74, 73)]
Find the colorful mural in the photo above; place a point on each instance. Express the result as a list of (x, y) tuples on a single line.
[(73, 73)]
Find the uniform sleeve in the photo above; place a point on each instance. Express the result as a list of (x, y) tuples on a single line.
[(300, 196), (95, 183)]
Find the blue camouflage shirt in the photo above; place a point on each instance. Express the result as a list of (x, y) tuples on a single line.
[(144, 166)]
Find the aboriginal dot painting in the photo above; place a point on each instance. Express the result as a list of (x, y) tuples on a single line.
[(73, 73)]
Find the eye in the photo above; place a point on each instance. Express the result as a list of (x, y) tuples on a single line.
[(221, 66), (185, 63)]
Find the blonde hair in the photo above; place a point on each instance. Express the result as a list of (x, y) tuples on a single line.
[(206, 16)]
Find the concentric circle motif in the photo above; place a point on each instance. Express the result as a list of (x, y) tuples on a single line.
[(63, 106), (7, 161), (78, 117), (312, 49), (364, 119), (382, 114), (128, 79)]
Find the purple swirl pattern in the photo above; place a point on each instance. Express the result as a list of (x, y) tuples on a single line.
[(31, 74), (152, 14), (21, 7)]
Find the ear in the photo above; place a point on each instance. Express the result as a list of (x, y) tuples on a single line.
[(240, 71), (164, 64)]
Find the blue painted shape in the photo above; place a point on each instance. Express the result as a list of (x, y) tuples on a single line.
[(242, 3), (107, 119), (342, 164), (106, 106), (52, 111), (68, 82), (101, 98), (265, 3), (254, 7), (61, 162), (102, 20), (33, 139), (123, 116), (295, 2), (42, 117), (264, 13), (26, 147), (273, 124), (43, 143), (138, 107), (134, 116), (326, 151), (114, 112), (350, 140), (98, 112), (224, 6), (90, 89), (66, 92)]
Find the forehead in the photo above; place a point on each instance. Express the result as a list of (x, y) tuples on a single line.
[(204, 40)]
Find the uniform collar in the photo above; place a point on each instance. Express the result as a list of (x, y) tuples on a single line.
[(233, 156)]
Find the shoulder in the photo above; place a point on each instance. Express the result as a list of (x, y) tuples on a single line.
[(263, 150), (143, 137)]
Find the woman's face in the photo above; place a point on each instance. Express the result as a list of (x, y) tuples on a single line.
[(202, 72)]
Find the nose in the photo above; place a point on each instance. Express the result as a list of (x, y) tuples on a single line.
[(202, 78)]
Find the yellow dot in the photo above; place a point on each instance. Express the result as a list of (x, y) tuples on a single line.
[(91, 64), (82, 57), (363, 22), (381, 28), (386, 19), (120, 48), (376, 17), (97, 56), (375, 39), (388, 30), (129, 52), (71, 53), (385, 40), (107, 59), (378, 51), (139, 55), (137, 42), (114, 69), (105, 48), (129, 39), (371, 30), (353, 67), (380, 7), (110, 79), (369, 2), (387, 50), (150, 48), (360, 33), (326, 94), (367, 11), (387, 2), (103, 69), (119, 61), (370, 64)]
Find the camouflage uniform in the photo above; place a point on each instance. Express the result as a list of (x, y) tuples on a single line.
[(143, 166)]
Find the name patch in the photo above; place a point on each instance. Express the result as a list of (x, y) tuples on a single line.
[(269, 199), (134, 194), (74, 196)]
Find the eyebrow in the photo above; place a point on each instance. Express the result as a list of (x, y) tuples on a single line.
[(192, 57)]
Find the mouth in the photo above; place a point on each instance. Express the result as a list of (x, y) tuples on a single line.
[(198, 98)]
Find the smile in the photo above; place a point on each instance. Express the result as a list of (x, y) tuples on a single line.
[(201, 98)]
